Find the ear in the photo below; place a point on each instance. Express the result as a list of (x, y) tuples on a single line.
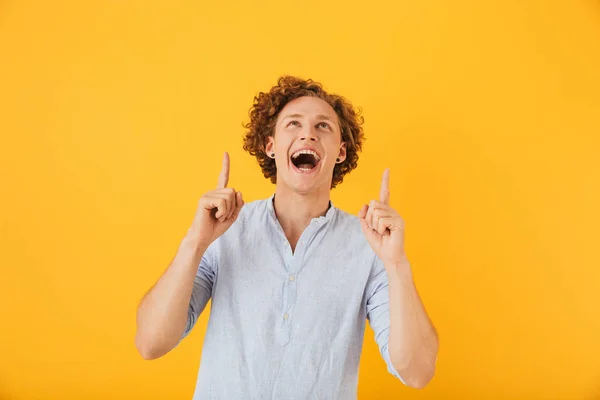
[(269, 148), (342, 154)]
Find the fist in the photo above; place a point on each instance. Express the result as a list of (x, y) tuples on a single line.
[(383, 227), (217, 210)]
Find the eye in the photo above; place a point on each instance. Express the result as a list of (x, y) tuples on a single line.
[(294, 122), (323, 125)]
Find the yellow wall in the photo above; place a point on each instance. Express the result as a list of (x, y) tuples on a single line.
[(114, 117)]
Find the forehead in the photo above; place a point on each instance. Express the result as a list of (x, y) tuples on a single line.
[(308, 107)]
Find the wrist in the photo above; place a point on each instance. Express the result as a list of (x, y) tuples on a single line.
[(400, 269), (193, 242)]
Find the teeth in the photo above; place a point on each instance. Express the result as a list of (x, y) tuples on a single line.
[(306, 151)]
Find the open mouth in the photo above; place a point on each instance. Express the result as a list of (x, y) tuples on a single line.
[(305, 160)]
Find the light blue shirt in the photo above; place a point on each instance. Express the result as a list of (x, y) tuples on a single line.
[(286, 325)]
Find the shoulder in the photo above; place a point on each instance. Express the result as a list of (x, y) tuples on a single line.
[(248, 221), (348, 231), (253, 216), (349, 227), (253, 209), (349, 224)]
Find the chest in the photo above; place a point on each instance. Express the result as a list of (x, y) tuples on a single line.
[(260, 277)]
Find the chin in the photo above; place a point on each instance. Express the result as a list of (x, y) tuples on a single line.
[(304, 189), (308, 184)]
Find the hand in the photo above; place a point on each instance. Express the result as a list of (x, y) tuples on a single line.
[(383, 227), (217, 209)]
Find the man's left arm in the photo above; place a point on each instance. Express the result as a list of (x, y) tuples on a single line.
[(412, 340)]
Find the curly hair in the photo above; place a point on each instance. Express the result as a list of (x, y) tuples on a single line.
[(266, 108)]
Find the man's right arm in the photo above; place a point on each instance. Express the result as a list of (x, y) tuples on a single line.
[(185, 287), (162, 315)]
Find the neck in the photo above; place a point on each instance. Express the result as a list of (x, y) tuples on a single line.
[(295, 210)]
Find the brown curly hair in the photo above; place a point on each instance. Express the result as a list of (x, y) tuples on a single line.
[(266, 108)]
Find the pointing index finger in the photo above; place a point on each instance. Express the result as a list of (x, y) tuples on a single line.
[(224, 175), (384, 193)]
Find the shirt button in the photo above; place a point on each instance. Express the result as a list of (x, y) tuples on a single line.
[(292, 278), (286, 316)]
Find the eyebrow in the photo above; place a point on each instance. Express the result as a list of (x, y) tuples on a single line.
[(320, 116)]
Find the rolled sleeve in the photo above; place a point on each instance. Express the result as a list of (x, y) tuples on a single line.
[(378, 312), (202, 290)]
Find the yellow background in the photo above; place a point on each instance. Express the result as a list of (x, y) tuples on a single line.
[(114, 116)]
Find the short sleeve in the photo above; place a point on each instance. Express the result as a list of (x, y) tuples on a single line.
[(202, 290), (378, 312)]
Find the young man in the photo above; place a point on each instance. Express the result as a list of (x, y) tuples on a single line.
[(292, 278)]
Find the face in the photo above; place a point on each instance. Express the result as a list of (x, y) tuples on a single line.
[(307, 145)]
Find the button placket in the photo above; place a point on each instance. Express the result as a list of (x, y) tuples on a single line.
[(293, 264)]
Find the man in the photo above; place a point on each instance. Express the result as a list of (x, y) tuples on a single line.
[(292, 278)]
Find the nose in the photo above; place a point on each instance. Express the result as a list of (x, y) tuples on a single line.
[(309, 134)]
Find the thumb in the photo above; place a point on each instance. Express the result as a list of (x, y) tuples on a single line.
[(369, 233), (364, 225), (363, 222), (363, 212), (239, 205)]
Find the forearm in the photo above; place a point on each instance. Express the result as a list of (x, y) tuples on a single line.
[(163, 312), (413, 341)]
